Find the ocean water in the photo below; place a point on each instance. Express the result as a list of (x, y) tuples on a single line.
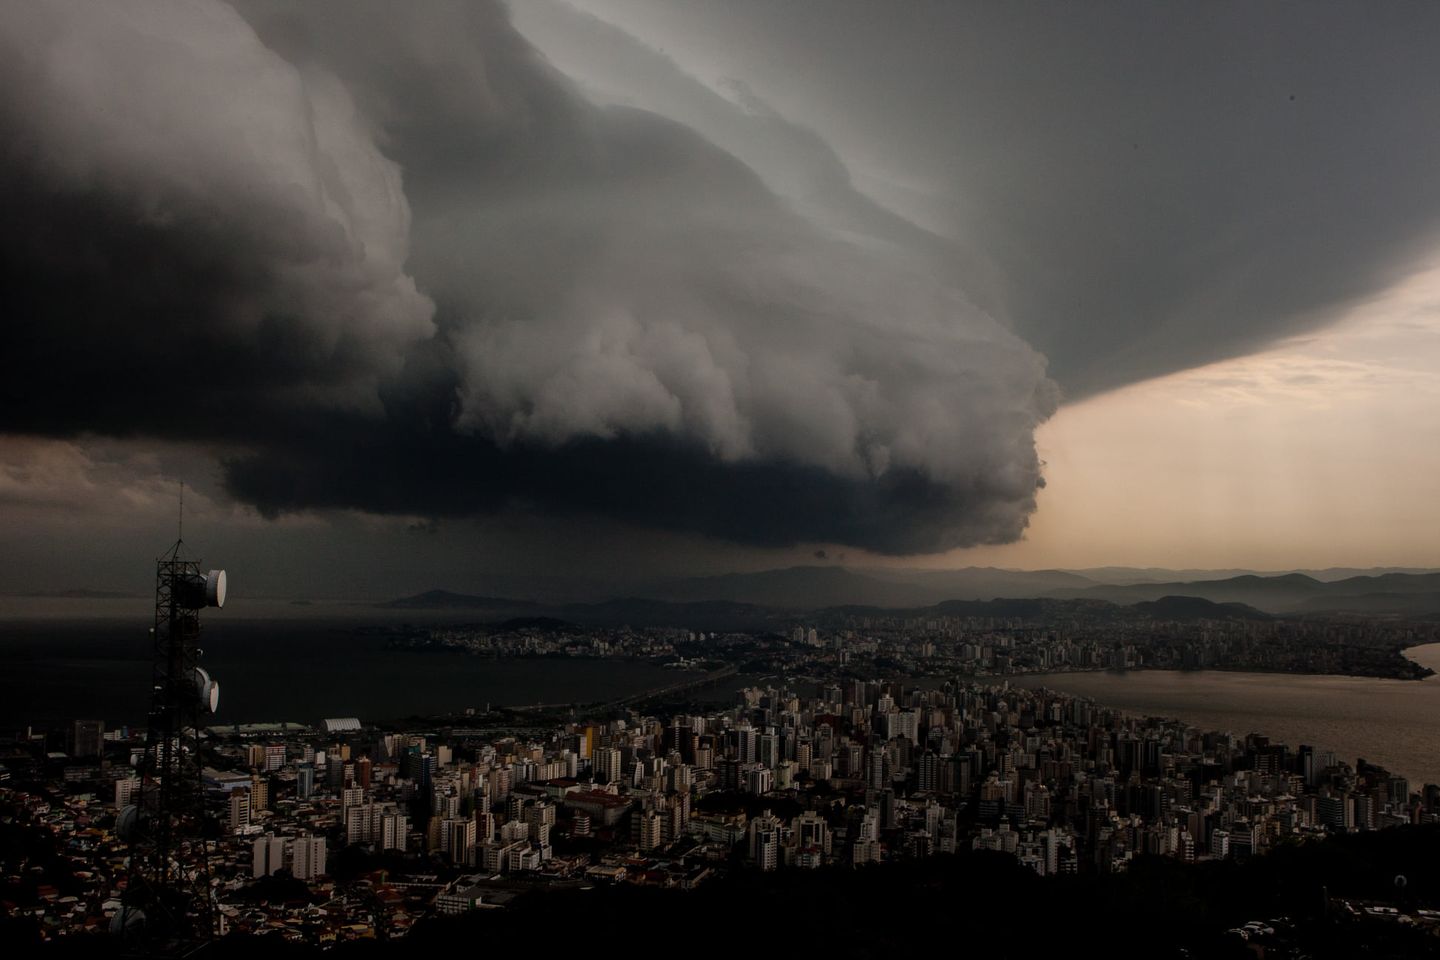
[(1395, 723), (302, 669)]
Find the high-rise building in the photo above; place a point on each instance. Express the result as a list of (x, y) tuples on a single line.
[(875, 777), (259, 794), (810, 831), (764, 841), (127, 791), (674, 816), (267, 856), (239, 810), (540, 817), (460, 845), (420, 767), (928, 772), (744, 740), (650, 830), (907, 724), (382, 824), (351, 797), (681, 777), (87, 738), (1307, 765), (769, 749), (305, 781), (679, 737), (307, 859), (501, 781), (607, 763), (391, 830), (1334, 811)]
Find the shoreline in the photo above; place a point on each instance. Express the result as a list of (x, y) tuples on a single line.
[(1387, 724)]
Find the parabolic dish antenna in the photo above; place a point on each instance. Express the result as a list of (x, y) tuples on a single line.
[(215, 588), (128, 823), (208, 690), (127, 922)]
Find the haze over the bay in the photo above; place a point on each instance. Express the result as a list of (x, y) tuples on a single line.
[(610, 290)]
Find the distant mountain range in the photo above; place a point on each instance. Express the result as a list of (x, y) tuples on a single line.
[(1408, 594), (1127, 575), (725, 615), (738, 599)]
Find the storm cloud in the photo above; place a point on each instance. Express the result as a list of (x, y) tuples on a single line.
[(196, 235), (773, 273), (1135, 188), (393, 260)]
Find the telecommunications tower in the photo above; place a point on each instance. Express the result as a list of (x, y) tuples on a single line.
[(168, 904)]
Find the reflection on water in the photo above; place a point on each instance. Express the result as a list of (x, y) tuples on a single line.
[(1395, 723)]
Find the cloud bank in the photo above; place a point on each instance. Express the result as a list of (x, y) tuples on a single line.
[(391, 259), (196, 231), (1150, 187)]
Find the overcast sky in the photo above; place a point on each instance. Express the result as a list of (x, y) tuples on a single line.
[(610, 289)]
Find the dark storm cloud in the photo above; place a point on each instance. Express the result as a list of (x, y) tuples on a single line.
[(655, 481), (795, 163), (1153, 185), (393, 256), (194, 234)]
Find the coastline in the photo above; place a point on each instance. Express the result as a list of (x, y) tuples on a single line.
[(1382, 720)]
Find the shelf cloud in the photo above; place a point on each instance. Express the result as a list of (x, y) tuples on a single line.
[(393, 260), (1134, 188), (401, 261)]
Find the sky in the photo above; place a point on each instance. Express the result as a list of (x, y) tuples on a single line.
[(605, 290)]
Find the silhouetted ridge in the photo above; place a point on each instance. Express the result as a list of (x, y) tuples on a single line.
[(1198, 608)]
